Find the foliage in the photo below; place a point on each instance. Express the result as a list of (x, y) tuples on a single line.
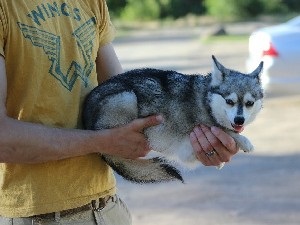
[(292, 5), (221, 9), (141, 10), (116, 7), (274, 6), (178, 8), (154, 9), (243, 9)]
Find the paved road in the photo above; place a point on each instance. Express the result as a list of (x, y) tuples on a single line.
[(261, 188), (178, 49)]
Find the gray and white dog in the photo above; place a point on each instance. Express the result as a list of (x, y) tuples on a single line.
[(224, 98)]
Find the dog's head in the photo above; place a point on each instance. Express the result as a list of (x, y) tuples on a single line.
[(235, 98)]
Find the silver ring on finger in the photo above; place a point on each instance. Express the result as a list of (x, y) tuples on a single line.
[(211, 153)]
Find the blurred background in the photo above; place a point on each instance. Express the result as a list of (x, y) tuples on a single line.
[(260, 188)]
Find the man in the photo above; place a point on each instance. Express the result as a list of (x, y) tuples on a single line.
[(52, 54)]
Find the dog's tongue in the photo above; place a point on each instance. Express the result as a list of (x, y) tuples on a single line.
[(238, 128)]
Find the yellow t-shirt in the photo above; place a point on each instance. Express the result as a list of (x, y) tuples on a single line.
[(50, 48)]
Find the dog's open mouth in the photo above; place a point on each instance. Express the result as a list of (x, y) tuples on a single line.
[(238, 128)]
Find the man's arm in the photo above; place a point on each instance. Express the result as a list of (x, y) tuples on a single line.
[(28, 142), (23, 142), (107, 63)]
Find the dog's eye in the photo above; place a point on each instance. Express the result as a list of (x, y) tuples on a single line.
[(249, 104), (230, 102)]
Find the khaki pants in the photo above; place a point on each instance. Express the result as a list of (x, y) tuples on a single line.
[(114, 213)]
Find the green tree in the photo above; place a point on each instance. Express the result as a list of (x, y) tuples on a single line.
[(116, 7), (179, 8), (154, 9), (243, 9), (221, 9), (234, 9), (275, 6), (142, 10), (292, 5)]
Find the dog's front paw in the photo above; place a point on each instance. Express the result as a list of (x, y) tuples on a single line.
[(244, 144)]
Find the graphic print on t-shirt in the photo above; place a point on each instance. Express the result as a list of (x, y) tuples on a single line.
[(51, 44)]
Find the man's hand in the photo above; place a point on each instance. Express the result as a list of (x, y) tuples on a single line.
[(212, 146), (129, 141)]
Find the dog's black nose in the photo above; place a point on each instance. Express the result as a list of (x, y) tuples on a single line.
[(239, 120)]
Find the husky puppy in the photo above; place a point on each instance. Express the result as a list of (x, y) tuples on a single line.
[(224, 98)]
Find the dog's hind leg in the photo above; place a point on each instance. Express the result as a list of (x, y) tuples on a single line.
[(115, 110)]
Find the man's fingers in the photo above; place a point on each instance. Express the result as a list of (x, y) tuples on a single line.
[(141, 124), (208, 148), (226, 140), (202, 139)]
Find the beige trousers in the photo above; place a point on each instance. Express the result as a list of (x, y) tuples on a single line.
[(114, 213)]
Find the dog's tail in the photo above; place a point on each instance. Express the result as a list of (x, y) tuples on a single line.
[(141, 171)]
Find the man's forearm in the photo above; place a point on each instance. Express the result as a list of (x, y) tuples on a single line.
[(22, 142)]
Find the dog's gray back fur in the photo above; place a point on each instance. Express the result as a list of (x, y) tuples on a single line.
[(184, 101)]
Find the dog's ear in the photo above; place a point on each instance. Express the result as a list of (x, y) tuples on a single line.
[(257, 72), (218, 72)]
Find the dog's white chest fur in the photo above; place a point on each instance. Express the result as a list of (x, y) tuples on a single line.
[(171, 147)]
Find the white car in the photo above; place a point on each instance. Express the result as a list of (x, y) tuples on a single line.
[(279, 47)]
